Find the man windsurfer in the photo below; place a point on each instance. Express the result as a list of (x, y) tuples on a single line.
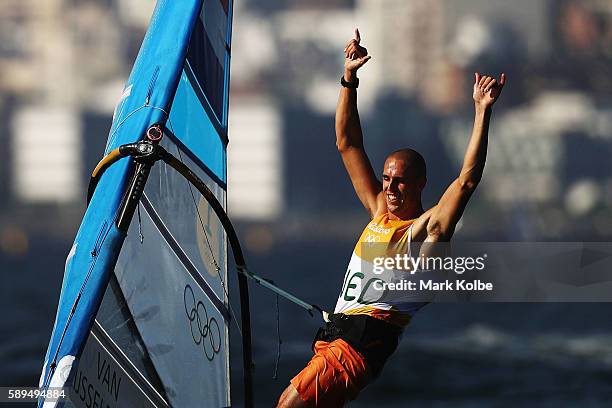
[(352, 348)]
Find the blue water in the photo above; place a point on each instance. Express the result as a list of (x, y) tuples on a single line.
[(452, 355)]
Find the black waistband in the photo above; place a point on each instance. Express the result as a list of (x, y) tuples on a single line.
[(374, 338)]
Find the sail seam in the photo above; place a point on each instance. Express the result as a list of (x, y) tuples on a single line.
[(107, 342)]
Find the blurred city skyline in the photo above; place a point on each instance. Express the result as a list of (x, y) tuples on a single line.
[(64, 64)]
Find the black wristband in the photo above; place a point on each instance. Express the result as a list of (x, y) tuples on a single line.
[(353, 84)]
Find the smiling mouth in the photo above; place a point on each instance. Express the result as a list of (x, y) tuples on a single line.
[(392, 198)]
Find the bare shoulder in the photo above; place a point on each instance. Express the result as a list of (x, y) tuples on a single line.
[(419, 228)]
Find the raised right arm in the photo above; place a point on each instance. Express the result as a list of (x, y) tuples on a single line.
[(349, 137)]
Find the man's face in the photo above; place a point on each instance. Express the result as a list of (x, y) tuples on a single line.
[(398, 187)]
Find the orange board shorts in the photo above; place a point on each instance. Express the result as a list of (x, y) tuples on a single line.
[(333, 376)]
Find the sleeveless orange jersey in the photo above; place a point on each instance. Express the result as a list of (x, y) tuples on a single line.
[(382, 237)]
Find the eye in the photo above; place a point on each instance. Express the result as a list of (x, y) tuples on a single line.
[(385, 177)]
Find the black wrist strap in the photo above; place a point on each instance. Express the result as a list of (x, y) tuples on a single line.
[(353, 84)]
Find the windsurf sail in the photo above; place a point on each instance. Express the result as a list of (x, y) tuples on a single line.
[(144, 313)]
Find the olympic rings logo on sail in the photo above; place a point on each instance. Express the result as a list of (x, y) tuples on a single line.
[(207, 329)]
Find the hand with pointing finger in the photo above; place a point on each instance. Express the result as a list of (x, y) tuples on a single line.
[(487, 89), (355, 57)]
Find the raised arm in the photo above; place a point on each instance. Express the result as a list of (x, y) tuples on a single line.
[(440, 221), (349, 138)]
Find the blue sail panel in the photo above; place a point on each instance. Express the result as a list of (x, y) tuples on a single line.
[(191, 126), (146, 100), (198, 118)]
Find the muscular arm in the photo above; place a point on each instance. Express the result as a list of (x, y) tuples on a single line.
[(349, 137), (438, 224), (349, 140)]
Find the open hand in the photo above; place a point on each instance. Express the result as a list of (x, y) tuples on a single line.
[(487, 89), (355, 55)]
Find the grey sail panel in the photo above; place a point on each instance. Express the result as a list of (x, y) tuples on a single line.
[(172, 271)]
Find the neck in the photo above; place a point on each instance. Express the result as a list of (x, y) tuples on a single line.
[(409, 213)]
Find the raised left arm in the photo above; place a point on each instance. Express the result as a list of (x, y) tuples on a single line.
[(440, 221)]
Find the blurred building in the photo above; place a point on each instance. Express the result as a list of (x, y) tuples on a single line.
[(60, 60), (407, 41), (64, 63)]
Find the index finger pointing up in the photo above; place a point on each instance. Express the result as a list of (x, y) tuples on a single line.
[(357, 36)]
